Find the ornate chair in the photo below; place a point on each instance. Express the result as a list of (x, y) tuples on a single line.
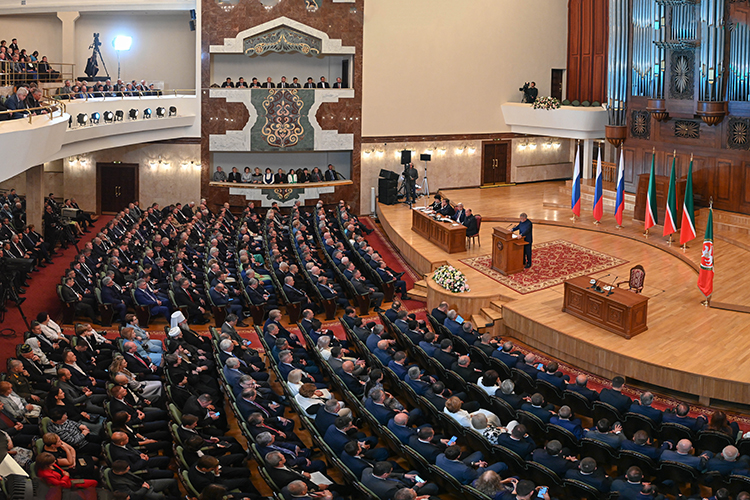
[(637, 277)]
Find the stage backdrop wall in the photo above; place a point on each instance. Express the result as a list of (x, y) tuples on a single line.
[(444, 67)]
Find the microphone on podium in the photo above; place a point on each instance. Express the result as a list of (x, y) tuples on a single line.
[(612, 286), (595, 282)]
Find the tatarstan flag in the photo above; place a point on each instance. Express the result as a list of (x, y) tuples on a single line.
[(706, 276), (670, 216), (687, 229), (651, 216)]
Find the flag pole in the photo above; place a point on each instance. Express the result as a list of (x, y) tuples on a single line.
[(684, 245), (669, 241)]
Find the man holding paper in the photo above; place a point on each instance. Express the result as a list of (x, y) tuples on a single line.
[(525, 228)]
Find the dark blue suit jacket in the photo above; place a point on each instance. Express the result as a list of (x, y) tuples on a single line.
[(403, 433), (589, 394), (110, 295), (652, 413), (616, 399), (381, 413), (557, 464), (526, 230), (552, 379), (323, 420), (336, 439), (573, 426), (453, 326), (428, 451)]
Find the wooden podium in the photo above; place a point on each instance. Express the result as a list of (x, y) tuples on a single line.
[(507, 251)]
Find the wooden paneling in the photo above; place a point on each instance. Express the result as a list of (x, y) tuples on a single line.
[(587, 50)]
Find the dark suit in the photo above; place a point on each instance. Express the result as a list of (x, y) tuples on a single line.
[(616, 399), (324, 85), (597, 479), (523, 447), (472, 227), (589, 394), (429, 451), (526, 230), (556, 464), (652, 413)]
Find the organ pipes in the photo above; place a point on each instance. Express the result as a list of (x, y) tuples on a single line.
[(645, 62), (711, 50), (738, 87), (660, 37), (683, 25), (617, 66)]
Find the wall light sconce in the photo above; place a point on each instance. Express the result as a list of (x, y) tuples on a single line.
[(380, 152), (184, 165), (522, 146), (397, 154), (429, 150), (459, 150), (165, 165), (442, 150), (556, 144), (153, 164), (472, 149), (367, 152), (196, 165), (532, 146)]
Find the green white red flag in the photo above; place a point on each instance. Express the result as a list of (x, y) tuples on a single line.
[(687, 228), (706, 275), (670, 215), (651, 214)]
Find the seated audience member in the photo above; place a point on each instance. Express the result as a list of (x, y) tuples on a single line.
[(506, 394), (642, 444), (538, 407), (580, 388), (727, 461), (468, 469), (490, 432), (528, 364), (682, 454), (564, 419), (518, 441), (681, 416), (551, 456), (137, 487), (554, 377), (441, 311), (643, 407), (719, 423), (612, 436), (453, 409), (630, 486), (384, 483), (615, 397), (491, 485), (590, 474)]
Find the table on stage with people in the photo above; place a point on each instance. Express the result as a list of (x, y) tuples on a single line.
[(615, 309), (443, 232)]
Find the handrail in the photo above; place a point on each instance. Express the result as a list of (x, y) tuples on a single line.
[(121, 94), (51, 108), (67, 72)]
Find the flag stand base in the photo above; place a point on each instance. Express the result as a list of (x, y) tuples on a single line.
[(618, 226), (705, 303), (574, 219), (669, 241), (684, 247), (646, 233), (596, 222)]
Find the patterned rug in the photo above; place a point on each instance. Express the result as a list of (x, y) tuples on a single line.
[(553, 262)]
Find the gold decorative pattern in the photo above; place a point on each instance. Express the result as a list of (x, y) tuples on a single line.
[(282, 127), (738, 131), (640, 124), (687, 129), (282, 39)]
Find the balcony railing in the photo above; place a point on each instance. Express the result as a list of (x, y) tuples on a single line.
[(11, 74)]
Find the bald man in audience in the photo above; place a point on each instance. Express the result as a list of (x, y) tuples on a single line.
[(643, 407), (580, 388), (727, 461), (440, 312), (683, 454)]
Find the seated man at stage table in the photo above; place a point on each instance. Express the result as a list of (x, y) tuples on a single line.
[(470, 221)]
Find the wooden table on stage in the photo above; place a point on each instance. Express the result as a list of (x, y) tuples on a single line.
[(621, 312), (507, 251), (450, 238)]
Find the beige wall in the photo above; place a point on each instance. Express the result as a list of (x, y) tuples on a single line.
[(52, 180), (40, 32), (445, 66), (163, 46), (161, 184)]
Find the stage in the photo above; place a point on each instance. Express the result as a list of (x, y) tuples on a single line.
[(688, 347)]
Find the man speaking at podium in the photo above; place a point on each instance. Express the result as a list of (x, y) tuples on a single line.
[(525, 229)]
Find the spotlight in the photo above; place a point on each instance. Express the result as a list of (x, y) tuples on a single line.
[(160, 112), (122, 42), (147, 113), (133, 114), (109, 117), (82, 118), (95, 117), (172, 110), (119, 115)]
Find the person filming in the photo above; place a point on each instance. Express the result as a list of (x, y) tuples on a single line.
[(530, 92)]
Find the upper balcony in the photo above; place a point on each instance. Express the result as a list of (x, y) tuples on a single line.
[(570, 122)]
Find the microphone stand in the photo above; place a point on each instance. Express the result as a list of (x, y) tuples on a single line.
[(612, 287)]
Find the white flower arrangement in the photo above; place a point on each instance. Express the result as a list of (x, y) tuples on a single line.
[(451, 279), (547, 103)]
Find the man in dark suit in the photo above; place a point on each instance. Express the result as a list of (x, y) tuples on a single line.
[(642, 444), (342, 431), (310, 83), (423, 443), (525, 229), (615, 397), (460, 214), (268, 84), (564, 419), (186, 296), (644, 408), (682, 454), (375, 404), (384, 484), (550, 457), (681, 416), (440, 312), (528, 364), (538, 407), (472, 226), (445, 355), (466, 369), (338, 84), (552, 376), (470, 468), (281, 472), (157, 467), (376, 298), (580, 388), (590, 474), (283, 84), (82, 308), (323, 84), (630, 486), (507, 355), (295, 83), (518, 441), (328, 292), (398, 425), (110, 295), (727, 461), (206, 472), (297, 296), (137, 488)]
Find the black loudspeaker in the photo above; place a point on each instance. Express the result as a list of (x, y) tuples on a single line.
[(425, 157), (387, 174), (192, 24), (387, 191), (405, 157)]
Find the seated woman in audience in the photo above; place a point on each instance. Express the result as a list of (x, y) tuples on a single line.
[(294, 381), (78, 466), (324, 346), (291, 177), (489, 382), (268, 176), (304, 176), (257, 177), (56, 398), (310, 398), (53, 475), (316, 176), (247, 176), (720, 423), (463, 417), (147, 389), (492, 485), (16, 406)]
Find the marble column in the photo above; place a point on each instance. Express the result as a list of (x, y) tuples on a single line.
[(588, 158), (35, 196), (68, 41)]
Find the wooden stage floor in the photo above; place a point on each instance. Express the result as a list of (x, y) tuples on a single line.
[(690, 348)]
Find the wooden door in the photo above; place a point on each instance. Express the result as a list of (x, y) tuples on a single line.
[(556, 85), (118, 185), (494, 163)]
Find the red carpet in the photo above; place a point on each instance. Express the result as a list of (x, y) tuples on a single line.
[(41, 295), (379, 242), (553, 263)]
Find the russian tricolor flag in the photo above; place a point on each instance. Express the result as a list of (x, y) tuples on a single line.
[(598, 203), (620, 202), (575, 201)]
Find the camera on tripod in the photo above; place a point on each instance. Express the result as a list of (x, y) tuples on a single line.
[(96, 43)]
